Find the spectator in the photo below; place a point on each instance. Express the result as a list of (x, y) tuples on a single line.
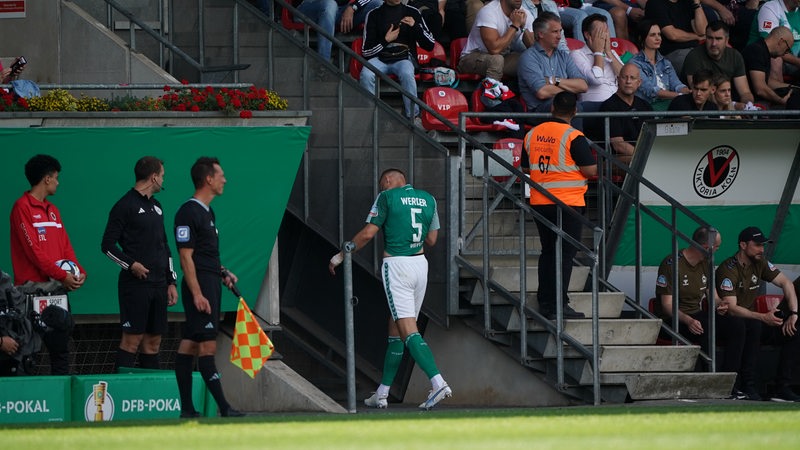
[(623, 13), (598, 63), (777, 13), (432, 12), (391, 35), (765, 68), (660, 83), (455, 20), (38, 241), (537, 7), (722, 97), (544, 70), (738, 281), (694, 272), (502, 31), (682, 23), (737, 14), (624, 131), (11, 73), (699, 99), (716, 56), (346, 15), (574, 12)]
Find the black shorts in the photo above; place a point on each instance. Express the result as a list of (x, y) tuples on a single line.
[(142, 309), (200, 326)]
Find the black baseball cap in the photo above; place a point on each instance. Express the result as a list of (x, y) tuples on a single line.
[(753, 234)]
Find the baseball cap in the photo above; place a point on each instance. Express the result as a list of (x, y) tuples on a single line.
[(753, 234)]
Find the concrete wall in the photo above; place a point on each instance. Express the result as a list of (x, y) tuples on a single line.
[(75, 48)]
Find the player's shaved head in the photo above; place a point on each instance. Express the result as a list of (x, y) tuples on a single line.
[(392, 178)]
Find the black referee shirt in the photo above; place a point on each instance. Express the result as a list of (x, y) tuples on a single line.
[(135, 232), (195, 229)]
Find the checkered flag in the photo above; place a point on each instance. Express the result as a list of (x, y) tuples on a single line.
[(251, 347)]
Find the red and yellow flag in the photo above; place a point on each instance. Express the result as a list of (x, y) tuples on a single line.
[(251, 347)]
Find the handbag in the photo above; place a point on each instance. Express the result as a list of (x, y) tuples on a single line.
[(393, 52)]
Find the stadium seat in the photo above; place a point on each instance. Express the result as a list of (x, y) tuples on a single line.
[(768, 302), (651, 307), (513, 144), (287, 19), (355, 65), (574, 44), (623, 45), (478, 106), (449, 103), (456, 47)]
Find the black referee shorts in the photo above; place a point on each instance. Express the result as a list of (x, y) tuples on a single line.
[(200, 326), (142, 308)]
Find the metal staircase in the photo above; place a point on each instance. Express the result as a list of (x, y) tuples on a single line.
[(488, 234)]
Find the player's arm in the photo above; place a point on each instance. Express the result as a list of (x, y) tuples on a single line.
[(790, 297), (360, 240), (694, 325), (190, 278)]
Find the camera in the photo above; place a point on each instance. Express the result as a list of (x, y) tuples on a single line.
[(21, 61)]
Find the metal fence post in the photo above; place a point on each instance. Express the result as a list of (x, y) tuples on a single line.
[(348, 248)]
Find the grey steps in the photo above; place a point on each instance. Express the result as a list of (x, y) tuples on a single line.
[(610, 305), (663, 386), (636, 358), (612, 332)]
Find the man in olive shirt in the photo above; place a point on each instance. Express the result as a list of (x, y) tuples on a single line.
[(738, 280), (693, 278)]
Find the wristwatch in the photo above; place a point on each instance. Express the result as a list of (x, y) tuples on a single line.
[(515, 27), (792, 313), (354, 5), (558, 81)]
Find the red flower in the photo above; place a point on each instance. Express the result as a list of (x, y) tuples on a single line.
[(246, 114), (184, 82), (167, 88), (180, 107), (209, 89), (236, 103), (195, 108)]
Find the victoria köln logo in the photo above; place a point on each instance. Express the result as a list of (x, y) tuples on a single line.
[(716, 171), (99, 405)]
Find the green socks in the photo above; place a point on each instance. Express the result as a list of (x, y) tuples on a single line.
[(422, 354), (391, 362)]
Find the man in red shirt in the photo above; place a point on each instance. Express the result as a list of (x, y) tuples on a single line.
[(38, 240)]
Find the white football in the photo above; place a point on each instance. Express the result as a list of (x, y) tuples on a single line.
[(69, 266)]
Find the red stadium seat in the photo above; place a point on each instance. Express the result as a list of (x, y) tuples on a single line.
[(513, 144), (456, 47), (425, 58), (651, 306), (355, 65), (449, 103), (768, 302), (574, 44), (287, 19), (623, 45)]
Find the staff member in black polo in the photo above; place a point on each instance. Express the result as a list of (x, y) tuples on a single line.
[(201, 291), (135, 239)]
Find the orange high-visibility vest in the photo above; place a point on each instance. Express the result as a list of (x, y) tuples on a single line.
[(548, 146)]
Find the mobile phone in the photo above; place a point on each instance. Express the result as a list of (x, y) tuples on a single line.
[(21, 61)]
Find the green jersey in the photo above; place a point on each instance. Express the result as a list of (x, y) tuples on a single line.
[(406, 215)]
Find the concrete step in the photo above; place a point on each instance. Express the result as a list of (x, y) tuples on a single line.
[(609, 303), (501, 223), (509, 320), (670, 385), (509, 278), (612, 332), (636, 358), (504, 245)]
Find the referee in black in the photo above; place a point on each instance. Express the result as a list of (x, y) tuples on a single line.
[(136, 240), (201, 291)]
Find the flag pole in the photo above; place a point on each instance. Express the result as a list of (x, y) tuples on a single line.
[(348, 248)]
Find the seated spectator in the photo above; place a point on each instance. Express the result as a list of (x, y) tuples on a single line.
[(574, 12), (598, 63), (433, 13), (777, 13), (347, 14), (737, 14), (391, 35), (765, 68), (544, 69), (623, 13), (716, 56), (502, 31), (537, 7), (722, 97), (683, 24), (660, 82), (700, 98), (624, 131)]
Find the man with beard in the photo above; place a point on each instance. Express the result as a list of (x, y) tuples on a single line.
[(738, 281)]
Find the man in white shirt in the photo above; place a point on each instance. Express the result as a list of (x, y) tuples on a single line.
[(503, 29), (599, 64)]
